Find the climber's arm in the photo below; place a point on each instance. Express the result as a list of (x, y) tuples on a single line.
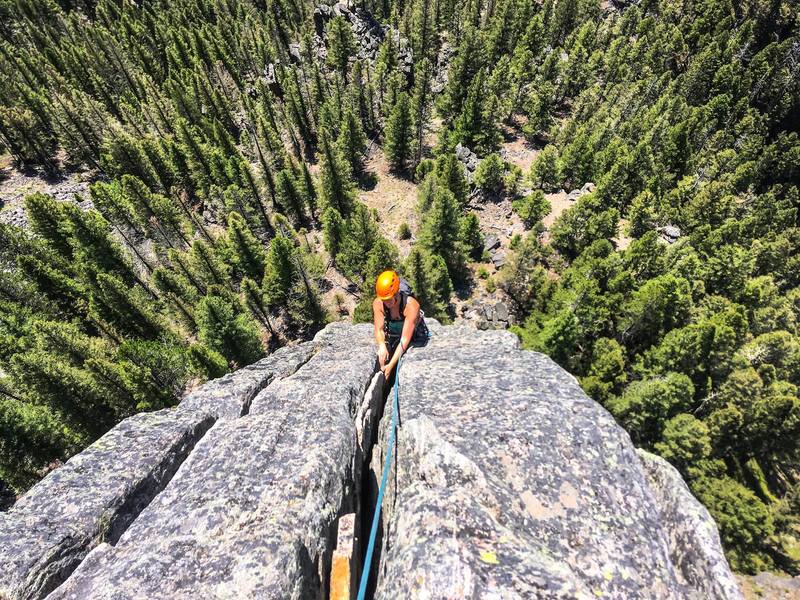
[(411, 315), (380, 338)]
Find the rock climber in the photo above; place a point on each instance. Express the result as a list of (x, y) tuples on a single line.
[(398, 320)]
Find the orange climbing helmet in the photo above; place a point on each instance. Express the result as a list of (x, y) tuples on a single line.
[(387, 285)]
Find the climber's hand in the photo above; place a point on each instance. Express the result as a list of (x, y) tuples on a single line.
[(383, 354), (387, 370)]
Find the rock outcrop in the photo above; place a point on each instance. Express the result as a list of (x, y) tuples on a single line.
[(508, 482), (511, 483)]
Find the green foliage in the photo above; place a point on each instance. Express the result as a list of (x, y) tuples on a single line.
[(399, 134), (246, 253), (743, 521), (532, 208), (582, 224), (440, 234), (606, 374), (223, 327), (360, 235), (471, 235), (428, 277), (647, 405), (404, 231), (450, 174), (341, 44), (489, 174), (281, 271), (332, 230), (352, 142), (337, 187), (545, 169), (523, 277), (206, 362)]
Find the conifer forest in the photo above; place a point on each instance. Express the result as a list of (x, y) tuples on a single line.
[(227, 146)]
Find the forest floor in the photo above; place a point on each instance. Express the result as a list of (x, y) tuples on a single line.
[(15, 185)]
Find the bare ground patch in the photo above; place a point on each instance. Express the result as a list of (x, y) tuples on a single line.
[(394, 198)]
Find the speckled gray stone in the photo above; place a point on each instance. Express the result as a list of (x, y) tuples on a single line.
[(252, 513), (694, 542), (229, 397), (92, 498), (510, 482)]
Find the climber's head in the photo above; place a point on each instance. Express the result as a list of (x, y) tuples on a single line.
[(387, 285)]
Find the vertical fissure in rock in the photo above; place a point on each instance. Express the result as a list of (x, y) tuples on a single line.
[(370, 485), (72, 550), (150, 487)]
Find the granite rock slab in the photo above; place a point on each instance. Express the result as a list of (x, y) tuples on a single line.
[(91, 498), (253, 511), (509, 482), (229, 397), (694, 543)]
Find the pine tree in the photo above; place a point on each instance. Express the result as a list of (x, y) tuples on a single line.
[(309, 190), (471, 236), (423, 35), (254, 300), (439, 233), (305, 306), (544, 170), (224, 328), (333, 230), (475, 126), (462, 71), (245, 252), (206, 265), (341, 44), (420, 103), (360, 235), (399, 135), (337, 188), (450, 173), (126, 309), (290, 195), (382, 256), (281, 271), (46, 217), (208, 363), (428, 277), (352, 142)]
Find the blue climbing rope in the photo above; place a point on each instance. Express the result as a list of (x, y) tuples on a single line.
[(362, 588)]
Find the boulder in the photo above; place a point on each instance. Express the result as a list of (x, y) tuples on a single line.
[(507, 482), (511, 483), (253, 512), (574, 195), (295, 53), (498, 259), (467, 157), (92, 498), (491, 242), (670, 233)]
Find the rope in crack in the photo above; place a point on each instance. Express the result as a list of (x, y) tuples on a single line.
[(387, 465)]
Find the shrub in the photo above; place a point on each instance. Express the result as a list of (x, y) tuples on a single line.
[(489, 174), (532, 208), (404, 231)]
